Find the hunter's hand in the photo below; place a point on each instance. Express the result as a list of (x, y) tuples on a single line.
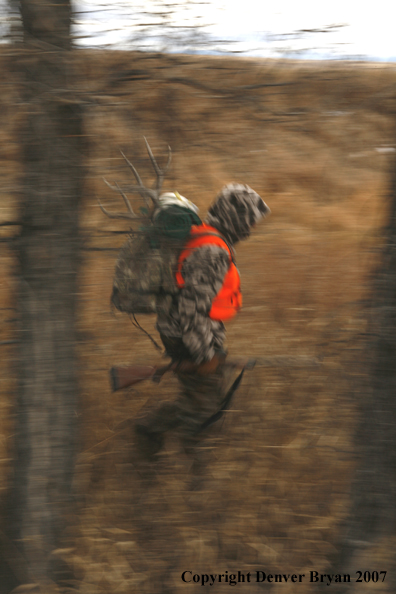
[(205, 368), (184, 367), (211, 366)]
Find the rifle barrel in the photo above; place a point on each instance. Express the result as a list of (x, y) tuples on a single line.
[(123, 377)]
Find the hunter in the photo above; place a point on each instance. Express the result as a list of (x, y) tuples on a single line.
[(192, 325)]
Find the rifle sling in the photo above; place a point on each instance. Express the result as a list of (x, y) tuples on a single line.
[(224, 405)]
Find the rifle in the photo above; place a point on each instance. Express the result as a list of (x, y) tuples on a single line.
[(123, 377)]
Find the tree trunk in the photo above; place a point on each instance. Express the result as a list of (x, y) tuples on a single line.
[(372, 518), (46, 410)]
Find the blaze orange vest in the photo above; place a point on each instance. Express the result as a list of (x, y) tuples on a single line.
[(228, 300)]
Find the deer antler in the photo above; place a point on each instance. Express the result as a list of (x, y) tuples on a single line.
[(153, 193), (129, 215), (160, 172)]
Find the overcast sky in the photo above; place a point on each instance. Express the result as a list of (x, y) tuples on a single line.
[(264, 28)]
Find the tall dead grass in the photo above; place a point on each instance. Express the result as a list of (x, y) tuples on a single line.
[(279, 464)]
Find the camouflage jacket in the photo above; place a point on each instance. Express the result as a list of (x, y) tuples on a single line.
[(186, 315)]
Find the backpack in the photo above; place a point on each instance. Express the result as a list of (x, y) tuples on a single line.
[(146, 264)]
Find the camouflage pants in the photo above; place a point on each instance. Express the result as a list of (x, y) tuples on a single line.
[(200, 398)]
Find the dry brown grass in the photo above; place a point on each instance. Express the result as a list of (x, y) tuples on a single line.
[(280, 464)]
